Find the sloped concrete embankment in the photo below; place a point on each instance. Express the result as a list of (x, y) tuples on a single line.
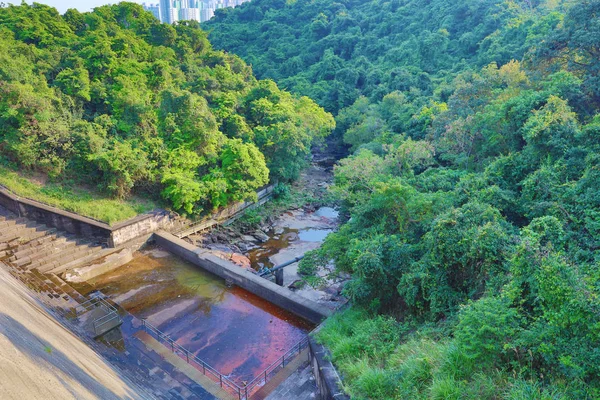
[(41, 359)]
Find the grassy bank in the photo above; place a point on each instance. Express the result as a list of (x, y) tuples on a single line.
[(380, 358), (75, 199)]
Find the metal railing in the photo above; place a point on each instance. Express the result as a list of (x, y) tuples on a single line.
[(105, 320), (243, 393), (210, 372), (262, 378), (99, 301)]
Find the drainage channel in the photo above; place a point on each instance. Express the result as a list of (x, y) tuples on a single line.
[(232, 336)]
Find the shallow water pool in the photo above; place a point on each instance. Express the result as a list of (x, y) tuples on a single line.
[(231, 329)]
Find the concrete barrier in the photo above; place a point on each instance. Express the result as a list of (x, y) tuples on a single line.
[(253, 283), (328, 381), (54, 217), (113, 236)]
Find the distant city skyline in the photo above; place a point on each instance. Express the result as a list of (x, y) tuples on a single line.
[(168, 11), (171, 11), (81, 5)]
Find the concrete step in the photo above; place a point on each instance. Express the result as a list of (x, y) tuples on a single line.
[(54, 253), (56, 289), (11, 223), (43, 289), (19, 230), (57, 297), (56, 247), (31, 234), (62, 258), (37, 245), (100, 252), (8, 222), (67, 289)]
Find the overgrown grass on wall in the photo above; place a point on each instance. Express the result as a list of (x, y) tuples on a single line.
[(74, 199)]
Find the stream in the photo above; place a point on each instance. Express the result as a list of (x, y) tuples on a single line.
[(290, 235)]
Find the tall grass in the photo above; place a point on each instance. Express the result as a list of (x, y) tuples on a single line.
[(75, 199), (402, 365)]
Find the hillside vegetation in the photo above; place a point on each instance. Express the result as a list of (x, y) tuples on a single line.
[(115, 102), (471, 196)]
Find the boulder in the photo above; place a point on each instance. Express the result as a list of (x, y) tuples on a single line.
[(261, 236), (248, 238)]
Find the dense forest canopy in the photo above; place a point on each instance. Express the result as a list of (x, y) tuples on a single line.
[(337, 51), (471, 196), (114, 97)]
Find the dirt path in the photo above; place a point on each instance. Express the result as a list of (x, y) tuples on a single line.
[(40, 359)]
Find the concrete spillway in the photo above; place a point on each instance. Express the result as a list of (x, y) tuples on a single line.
[(235, 331)]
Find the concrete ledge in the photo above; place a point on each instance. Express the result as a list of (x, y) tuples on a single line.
[(328, 380), (269, 291), (51, 216), (84, 226)]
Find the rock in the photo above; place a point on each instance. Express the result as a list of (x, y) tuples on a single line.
[(278, 230), (236, 258), (232, 232), (221, 237), (261, 236), (248, 238), (242, 246), (297, 284)]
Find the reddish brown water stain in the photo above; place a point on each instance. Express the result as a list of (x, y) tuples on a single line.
[(231, 329)]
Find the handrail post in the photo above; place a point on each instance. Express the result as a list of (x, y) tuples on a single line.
[(221, 380)]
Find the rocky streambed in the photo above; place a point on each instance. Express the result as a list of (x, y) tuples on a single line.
[(282, 238)]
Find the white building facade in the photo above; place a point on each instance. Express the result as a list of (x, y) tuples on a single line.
[(171, 11)]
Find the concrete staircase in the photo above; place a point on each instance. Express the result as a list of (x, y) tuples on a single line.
[(34, 254), (27, 245)]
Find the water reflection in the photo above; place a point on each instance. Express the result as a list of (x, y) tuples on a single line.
[(314, 235), (314, 228), (234, 331)]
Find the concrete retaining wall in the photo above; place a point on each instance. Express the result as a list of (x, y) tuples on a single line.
[(141, 225), (50, 216), (326, 376), (113, 236), (269, 291)]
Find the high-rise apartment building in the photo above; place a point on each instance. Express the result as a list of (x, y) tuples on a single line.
[(154, 9), (171, 11)]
